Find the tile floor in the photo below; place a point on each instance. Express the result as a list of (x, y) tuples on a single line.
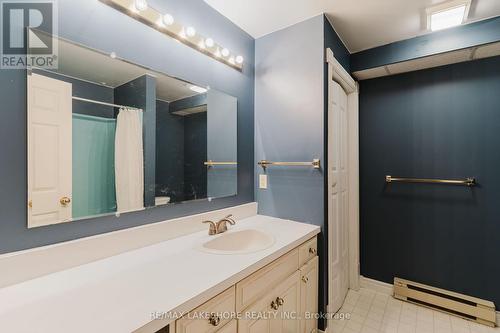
[(372, 312)]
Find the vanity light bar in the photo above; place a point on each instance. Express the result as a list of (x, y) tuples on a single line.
[(165, 23)]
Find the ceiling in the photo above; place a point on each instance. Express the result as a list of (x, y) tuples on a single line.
[(362, 24), (89, 65)]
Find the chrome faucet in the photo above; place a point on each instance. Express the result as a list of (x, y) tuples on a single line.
[(221, 226)]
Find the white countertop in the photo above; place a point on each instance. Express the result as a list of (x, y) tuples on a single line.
[(120, 293)]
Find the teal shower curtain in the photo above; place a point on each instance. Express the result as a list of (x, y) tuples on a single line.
[(93, 166)]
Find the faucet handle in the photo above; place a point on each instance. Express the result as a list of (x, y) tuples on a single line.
[(230, 219), (213, 228)]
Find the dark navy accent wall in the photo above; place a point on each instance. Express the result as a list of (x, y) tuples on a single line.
[(169, 153), (473, 34), (333, 41), (188, 102), (437, 123), (195, 155), (141, 93), (99, 26)]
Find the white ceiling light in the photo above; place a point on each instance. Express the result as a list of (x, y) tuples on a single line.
[(191, 32), (168, 19), (197, 89), (164, 22), (239, 59), (447, 15), (209, 42), (141, 5)]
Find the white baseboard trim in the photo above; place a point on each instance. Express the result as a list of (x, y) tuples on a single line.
[(17, 267), (375, 285), (388, 289)]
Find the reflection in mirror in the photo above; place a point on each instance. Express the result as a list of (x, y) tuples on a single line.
[(106, 136)]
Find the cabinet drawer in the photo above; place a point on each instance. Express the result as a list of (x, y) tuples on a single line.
[(259, 283), (308, 250), (198, 320)]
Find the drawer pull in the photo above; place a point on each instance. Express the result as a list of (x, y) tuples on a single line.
[(274, 305), (214, 320), (280, 301), (312, 250), (305, 279)]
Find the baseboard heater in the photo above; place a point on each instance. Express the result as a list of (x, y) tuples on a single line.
[(464, 306)]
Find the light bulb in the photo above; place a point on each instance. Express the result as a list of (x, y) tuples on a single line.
[(209, 42), (168, 19), (231, 60), (113, 55), (225, 52), (239, 59), (190, 31), (141, 5)]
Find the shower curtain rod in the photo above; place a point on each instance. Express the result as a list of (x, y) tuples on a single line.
[(107, 104)]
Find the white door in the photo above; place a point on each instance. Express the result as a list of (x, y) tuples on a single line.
[(49, 151), (337, 196)]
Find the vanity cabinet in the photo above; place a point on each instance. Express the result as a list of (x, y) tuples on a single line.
[(309, 295), (274, 299)]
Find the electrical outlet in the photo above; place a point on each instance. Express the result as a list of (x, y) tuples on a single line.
[(263, 182)]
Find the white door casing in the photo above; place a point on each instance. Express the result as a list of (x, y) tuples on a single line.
[(343, 183), (49, 127)]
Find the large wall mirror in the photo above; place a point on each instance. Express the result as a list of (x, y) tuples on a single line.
[(106, 136)]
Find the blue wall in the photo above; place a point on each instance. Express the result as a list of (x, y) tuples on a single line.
[(474, 34), (438, 123), (169, 157), (195, 155), (290, 115), (99, 26), (333, 41)]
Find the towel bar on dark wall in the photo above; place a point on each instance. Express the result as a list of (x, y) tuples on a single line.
[(467, 181), (316, 164)]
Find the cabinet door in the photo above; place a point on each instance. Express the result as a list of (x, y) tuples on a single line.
[(262, 317), (255, 318), (309, 295), (232, 327), (287, 320)]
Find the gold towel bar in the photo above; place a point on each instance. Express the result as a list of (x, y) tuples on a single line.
[(467, 182), (316, 164), (212, 163)]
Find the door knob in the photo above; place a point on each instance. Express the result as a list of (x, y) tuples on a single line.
[(65, 201), (274, 305), (280, 301), (312, 250), (305, 279)]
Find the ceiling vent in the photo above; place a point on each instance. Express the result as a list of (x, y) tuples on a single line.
[(448, 14)]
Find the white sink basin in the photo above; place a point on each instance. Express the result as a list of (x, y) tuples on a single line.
[(239, 242)]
